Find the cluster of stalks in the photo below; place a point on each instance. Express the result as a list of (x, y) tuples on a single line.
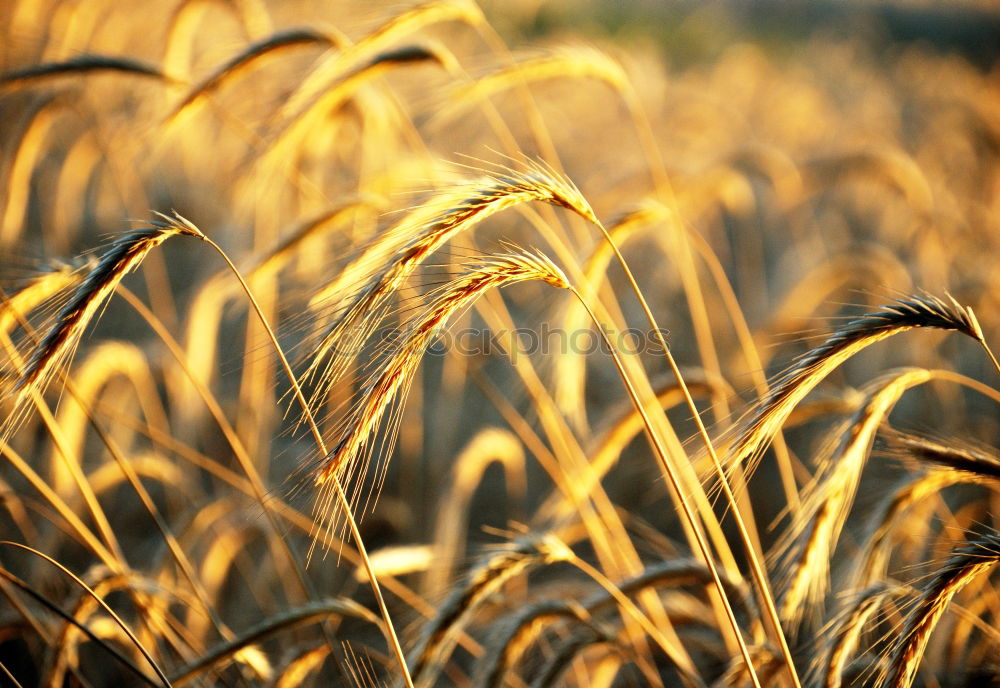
[(264, 459)]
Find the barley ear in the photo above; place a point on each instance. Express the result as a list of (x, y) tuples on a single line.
[(975, 558), (57, 345)]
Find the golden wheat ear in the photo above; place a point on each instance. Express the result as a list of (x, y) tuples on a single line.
[(440, 635), (808, 547), (353, 451), (966, 564), (917, 311), (845, 632), (511, 639), (279, 41), (948, 462), (121, 257), (955, 455), (458, 209)]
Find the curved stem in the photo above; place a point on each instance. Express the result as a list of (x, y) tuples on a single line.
[(756, 568), (104, 605), (671, 474), (658, 171), (321, 445)]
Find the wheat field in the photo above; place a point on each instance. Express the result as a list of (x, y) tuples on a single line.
[(505, 344)]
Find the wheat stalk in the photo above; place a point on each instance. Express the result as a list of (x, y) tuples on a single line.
[(391, 636), (117, 619), (27, 154), (488, 446), (766, 663), (570, 374), (671, 473), (85, 612), (890, 164), (25, 587)]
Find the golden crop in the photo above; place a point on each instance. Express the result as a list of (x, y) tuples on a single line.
[(283, 280)]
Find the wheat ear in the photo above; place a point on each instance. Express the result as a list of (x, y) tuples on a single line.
[(848, 632), (242, 61), (955, 456), (902, 315), (293, 134), (440, 635), (586, 636), (336, 64), (511, 640), (16, 307), (353, 451), (951, 464), (465, 206), (82, 64), (967, 563), (569, 61), (874, 557), (317, 609), (123, 255), (828, 502)]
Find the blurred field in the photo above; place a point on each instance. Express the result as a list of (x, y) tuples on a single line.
[(788, 189)]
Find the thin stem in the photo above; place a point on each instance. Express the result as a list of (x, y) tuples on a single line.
[(69, 619), (10, 677), (662, 183), (256, 485), (108, 610), (321, 445), (670, 472), (993, 359), (630, 608), (760, 578)]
